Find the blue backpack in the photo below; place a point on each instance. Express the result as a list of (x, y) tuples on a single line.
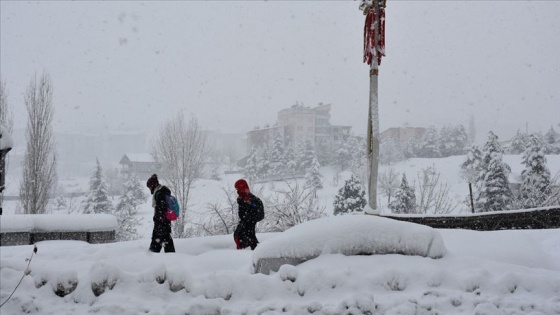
[(173, 210)]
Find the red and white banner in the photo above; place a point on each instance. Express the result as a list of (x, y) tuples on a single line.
[(374, 32)]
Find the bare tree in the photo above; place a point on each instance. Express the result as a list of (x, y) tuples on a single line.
[(182, 149), (290, 207), (389, 183), (39, 163), (433, 194), (220, 218)]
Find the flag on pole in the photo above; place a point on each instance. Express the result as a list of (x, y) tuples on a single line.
[(374, 30)]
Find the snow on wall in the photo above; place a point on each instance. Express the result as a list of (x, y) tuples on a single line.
[(58, 223), (352, 235)]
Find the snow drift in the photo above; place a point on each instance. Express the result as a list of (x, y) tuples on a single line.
[(347, 235)]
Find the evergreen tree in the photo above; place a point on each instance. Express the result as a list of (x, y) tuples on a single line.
[(494, 192), (453, 140), (429, 144), (390, 152), (357, 149), (250, 170), (313, 177), (552, 142), (518, 143), (405, 199), (535, 178), (277, 166), (472, 164), (263, 162), (97, 200), (127, 209), (324, 149), (343, 155), (350, 198), (306, 159), (290, 162)]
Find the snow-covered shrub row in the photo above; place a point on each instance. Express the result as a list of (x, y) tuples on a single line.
[(352, 235), (312, 288)]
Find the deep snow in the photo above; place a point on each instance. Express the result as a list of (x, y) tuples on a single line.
[(501, 272)]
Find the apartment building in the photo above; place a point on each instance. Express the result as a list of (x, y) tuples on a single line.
[(299, 123)]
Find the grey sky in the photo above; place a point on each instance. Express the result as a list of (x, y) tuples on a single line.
[(131, 65)]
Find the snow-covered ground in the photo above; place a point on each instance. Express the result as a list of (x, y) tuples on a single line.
[(501, 272)]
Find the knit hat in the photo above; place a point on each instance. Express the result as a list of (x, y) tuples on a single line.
[(242, 186), (152, 182)]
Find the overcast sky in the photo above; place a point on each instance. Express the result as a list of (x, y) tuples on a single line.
[(132, 65)]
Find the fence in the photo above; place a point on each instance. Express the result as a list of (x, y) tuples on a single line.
[(538, 218), (33, 228)]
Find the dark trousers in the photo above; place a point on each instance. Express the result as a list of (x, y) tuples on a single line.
[(245, 236), (162, 240)]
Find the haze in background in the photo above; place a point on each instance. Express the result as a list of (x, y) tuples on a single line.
[(129, 66)]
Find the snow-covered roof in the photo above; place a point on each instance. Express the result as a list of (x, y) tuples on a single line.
[(58, 223), (138, 158), (6, 141)]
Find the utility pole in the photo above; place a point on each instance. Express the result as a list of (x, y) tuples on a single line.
[(374, 49)]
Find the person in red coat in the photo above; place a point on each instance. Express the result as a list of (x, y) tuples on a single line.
[(249, 208)]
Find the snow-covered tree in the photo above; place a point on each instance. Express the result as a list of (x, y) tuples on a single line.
[(518, 143), (535, 178), (97, 197), (290, 162), (453, 140), (250, 170), (552, 142), (390, 152), (324, 149), (350, 197), (307, 156), (472, 164), (405, 199), (289, 207), (263, 162), (313, 177), (351, 154), (429, 144), (127, 209), (343, 155), (277, 166), (494, 193)]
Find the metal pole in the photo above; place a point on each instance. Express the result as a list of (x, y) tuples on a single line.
[(470, 193), (373, 135)]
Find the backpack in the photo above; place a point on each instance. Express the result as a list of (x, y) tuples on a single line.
[(259, 210), (173, 210)]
